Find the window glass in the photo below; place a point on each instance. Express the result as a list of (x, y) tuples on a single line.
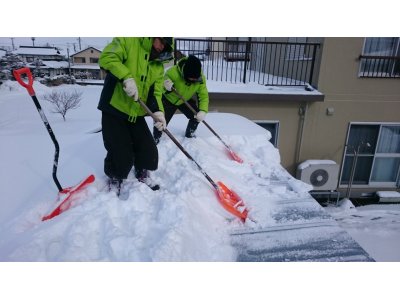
[(381, 46), (385, 169), (389, 141), (273, 128), (380, 57), (362, 169), (360, 135), (382, 165)]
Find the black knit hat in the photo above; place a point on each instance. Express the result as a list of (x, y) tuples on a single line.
[(192, 68)]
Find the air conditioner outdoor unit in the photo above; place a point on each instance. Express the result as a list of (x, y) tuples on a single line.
[(321, 174)]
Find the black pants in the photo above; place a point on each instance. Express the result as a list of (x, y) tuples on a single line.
[(127, 144), (170, 109)]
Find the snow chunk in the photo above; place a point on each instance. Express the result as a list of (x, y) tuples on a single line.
[(307, 163)]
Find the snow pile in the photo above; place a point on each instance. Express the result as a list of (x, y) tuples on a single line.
[(13, 86), (10, 86), (181, 222)]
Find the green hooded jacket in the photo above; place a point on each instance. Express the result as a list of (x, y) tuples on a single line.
[(128, 57), (184, 88)]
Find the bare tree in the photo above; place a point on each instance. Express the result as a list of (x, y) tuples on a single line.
[(64, 101)]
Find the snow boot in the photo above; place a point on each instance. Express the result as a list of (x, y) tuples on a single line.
[(114, 185), (156, 135), (142, 175), (191, 128)]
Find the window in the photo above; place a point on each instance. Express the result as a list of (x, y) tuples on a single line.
[(94, 60), (79, 60), (380, 57), (273, 128), (377, 149)]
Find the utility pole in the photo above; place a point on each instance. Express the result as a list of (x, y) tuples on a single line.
[(69, 66), (79, 40), (12, 43), (33, 41)]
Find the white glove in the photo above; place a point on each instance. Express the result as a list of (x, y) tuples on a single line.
[(130, 88), (160, 123), (168, 84), (200, 116)]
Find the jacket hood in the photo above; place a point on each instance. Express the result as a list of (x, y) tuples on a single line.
[(167, 54)]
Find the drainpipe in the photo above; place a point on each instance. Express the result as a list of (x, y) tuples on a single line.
[(302, 113)]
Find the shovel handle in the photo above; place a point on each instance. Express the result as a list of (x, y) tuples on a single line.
[(233, 154), (18, 76)]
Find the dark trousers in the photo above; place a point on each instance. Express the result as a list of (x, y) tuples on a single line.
[(169, 111), (127, 144)]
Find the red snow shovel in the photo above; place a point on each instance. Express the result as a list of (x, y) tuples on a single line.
[(233, 155), (64, 194), (229, 200)]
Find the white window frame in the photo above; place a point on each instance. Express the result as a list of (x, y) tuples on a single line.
[(375, 155), (361, 73), (277, 123)]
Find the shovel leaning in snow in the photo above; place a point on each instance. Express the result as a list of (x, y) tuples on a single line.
[(229, 200), (64, 194), (233, 155)]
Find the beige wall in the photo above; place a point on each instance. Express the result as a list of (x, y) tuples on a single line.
[(255, 109), (353, 99), (88, 54)]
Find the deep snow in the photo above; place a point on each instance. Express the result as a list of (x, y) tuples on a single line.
[(181, 222)]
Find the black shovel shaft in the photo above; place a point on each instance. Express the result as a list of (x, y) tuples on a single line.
[(179, 145), (29, 87), (204, 122)]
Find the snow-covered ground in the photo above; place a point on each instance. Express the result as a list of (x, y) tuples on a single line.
[(181, 222), (375, 227)]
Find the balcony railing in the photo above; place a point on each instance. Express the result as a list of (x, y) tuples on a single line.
[(379, 66), (266, 63)]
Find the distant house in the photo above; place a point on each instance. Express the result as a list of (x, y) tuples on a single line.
[(44, 61), (85, 65), (30, 54)]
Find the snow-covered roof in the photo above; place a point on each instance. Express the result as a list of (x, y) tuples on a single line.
[(307, 163), (51, 64), (80, 51), (85, 66), (36, 51)]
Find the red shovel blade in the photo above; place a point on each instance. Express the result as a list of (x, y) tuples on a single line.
[(231, 202), (68, 194), (235, 156)]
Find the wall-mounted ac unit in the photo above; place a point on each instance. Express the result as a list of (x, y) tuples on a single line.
[(321, 174)]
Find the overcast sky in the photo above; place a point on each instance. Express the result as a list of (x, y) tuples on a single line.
[(62, 42)]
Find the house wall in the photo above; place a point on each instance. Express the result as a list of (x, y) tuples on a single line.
[(286, 112), (353, 99), (87, 54)]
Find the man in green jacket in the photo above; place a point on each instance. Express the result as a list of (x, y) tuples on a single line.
[(135, 69), (187, 79)]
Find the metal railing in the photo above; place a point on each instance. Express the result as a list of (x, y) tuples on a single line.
[(266, 63), (379, 66)]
